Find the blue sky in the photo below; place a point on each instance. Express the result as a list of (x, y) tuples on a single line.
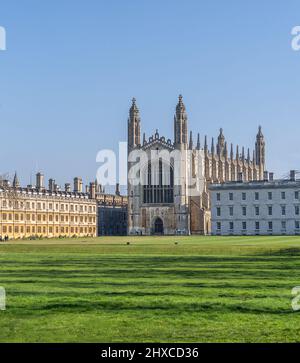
[(72, 67)]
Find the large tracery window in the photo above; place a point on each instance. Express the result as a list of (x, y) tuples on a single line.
[(160, 183)]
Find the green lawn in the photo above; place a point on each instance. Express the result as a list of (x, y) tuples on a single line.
[(202, 289)]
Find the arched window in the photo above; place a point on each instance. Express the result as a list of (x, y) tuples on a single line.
[(159, 186)]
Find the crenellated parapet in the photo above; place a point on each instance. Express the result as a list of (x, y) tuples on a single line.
[(157, 139)]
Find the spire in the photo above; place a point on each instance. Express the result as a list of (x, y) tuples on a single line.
[(225, 151), (191, 141), (221, 142), (205, 144), (16, 183), (260, 149), (198, 142), (248, 156), (259, 134), (231, 152), (134, 128), (180, 108), (134, 111), (144, 139), (254, 158), (243, 154), (212, 146), (237, 156), (180, 123)]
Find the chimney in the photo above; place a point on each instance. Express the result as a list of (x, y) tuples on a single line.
[(92, 191), (240, 176), (271, 176), (293, 175), (39, 181), (117, 189), (51, 185), (77, 185), (266, 176), (68, 188)]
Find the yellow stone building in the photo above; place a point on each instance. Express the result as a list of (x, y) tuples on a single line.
[(39, 212)]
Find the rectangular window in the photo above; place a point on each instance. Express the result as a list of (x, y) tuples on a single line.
[(257, 211), (283, 209), (230, 196), (297, 224), (270, 224), (270, 196), (231, 211), (218, 212), (256, 225), (218, 226), (243, 196), (244, 211), (244, 225), (297, 209), (283, 224), (218, 197), (282, 195), (256, 196), (297, 195), (270, 210), (231, 225)]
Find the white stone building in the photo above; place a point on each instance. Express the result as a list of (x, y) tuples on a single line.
[(167, 197), (268, 207)]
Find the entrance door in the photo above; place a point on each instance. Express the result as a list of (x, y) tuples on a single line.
[(158, 226)]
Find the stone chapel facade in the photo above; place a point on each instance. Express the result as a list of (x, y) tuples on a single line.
[(172, 195)]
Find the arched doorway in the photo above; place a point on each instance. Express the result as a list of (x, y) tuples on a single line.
[(158, 226)]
